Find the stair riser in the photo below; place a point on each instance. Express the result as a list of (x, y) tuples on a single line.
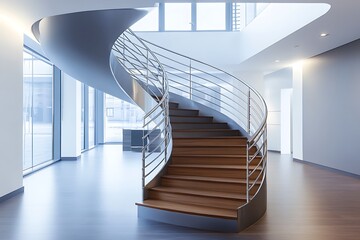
[(207, 142), (190, 119), (196, 200), (210, 150), (209, 186), (199, 126), (207, 172), (194, 134), (213, 160), (182, 112), (202, 185), (173, 105)]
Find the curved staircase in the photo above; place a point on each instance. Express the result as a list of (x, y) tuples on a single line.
[(204, 152), (207, 172), (211, 172)]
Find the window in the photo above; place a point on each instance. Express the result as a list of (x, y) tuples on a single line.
[(88, 117), (38, 101), (91, 113), (82, 116), (148, 23), (210, 16), (120, 115), (178, 17)]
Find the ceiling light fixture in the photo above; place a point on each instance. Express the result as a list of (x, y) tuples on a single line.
[(324, 35), (277, 61)]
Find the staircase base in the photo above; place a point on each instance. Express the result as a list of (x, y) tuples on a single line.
[(188, 220)]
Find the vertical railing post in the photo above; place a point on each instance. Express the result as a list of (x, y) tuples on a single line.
[(249, 113), (143, 159), (147, 68), (166, 114), (247, 171), (190, 80)]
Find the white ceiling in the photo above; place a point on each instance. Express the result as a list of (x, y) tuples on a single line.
[(340, 22)]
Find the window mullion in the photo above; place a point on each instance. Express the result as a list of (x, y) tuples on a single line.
[(161, 17), (193, 17)]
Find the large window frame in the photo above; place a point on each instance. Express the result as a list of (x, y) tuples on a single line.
[(37, 164), (88, 115), (229, 9)]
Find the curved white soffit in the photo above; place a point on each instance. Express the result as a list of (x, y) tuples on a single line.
[(276, 22), (21, 15)]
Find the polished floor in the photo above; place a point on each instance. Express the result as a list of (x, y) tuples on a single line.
[(93, 198)]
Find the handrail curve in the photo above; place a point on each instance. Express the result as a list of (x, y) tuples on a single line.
[(202, 83), (143, 66)]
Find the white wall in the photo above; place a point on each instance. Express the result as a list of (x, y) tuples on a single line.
[(70, 117), (273, 84), (331, 110), (11, 104), (285, 122), (297, 111), (276, 22), (215, 48), (254, 79)]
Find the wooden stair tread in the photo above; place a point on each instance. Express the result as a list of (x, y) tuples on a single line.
[(183, 109), (190, 209), (209, 179), (233, 167), (198, 123), (203, 130), (211, 146), (215, 194), (214, 137), (212, 155), (197, 116)]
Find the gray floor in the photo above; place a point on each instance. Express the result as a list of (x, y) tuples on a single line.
[(94, 198)]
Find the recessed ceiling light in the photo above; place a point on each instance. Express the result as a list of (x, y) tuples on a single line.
[(324, 35), (277, 61)]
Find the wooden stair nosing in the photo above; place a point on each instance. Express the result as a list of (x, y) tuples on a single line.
[(203, 193), (210, 179), (190, 209), (230, 167)]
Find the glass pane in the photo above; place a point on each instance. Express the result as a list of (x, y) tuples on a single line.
[(177, 16), (261, 7), (211, 16), (37, 111), (91, 117), (82, 116), (120, 115), (27, 109), (148, 23)]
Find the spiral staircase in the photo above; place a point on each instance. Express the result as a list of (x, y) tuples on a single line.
[(204, 154)]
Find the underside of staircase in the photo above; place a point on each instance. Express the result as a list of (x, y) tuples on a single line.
[(204, 183)]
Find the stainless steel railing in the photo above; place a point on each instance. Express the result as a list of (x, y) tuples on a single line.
[(139, 61), (207, 85)]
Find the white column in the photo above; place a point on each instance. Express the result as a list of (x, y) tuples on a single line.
[(11, 108), (297, 111), (70, 118), (285, 131)]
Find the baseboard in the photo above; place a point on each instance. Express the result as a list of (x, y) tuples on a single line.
[(12, 194), (328, 168), (71, 158), (274, 151)]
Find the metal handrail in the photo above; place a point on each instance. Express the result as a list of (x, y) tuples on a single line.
[(209, 85), (241, 100), (140, 62)]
